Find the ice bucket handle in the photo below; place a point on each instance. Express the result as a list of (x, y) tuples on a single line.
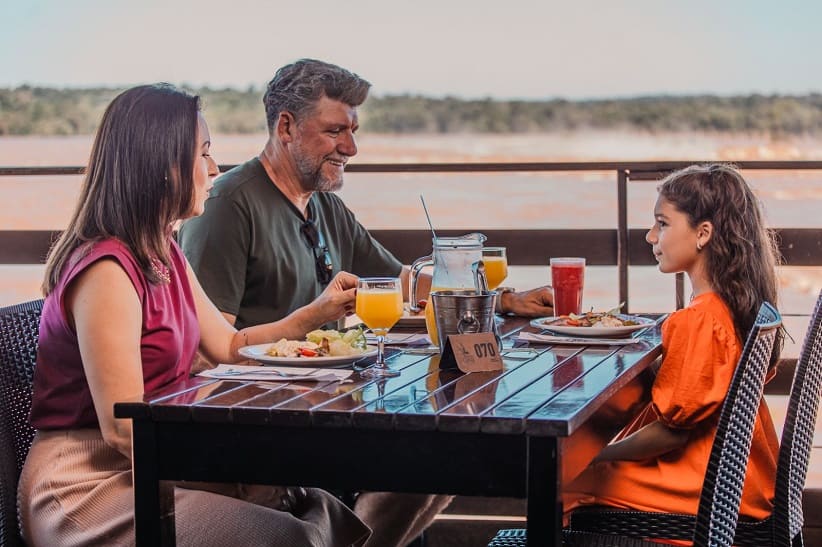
[(468, 323)]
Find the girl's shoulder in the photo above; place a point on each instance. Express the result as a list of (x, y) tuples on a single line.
[(707, 312)]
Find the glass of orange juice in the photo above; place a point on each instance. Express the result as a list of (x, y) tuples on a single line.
[(379, 306), (496, 266)]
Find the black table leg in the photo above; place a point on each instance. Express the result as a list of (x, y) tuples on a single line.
[(544, 502), (153, 502)]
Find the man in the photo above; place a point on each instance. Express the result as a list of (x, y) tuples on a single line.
[(272, 220), (273, 234)]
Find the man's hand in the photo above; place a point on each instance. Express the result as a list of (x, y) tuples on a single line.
[(338, 298), (537, 302)]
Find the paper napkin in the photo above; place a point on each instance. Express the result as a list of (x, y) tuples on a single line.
[(574, 341), (276, 374)]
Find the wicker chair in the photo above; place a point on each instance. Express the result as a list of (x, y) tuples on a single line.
[(19, 327), (718, 511), (784, 527)]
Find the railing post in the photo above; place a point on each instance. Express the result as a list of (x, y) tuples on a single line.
[(622, 237)]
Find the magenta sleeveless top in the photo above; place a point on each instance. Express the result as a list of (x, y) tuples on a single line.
[(171, 334)]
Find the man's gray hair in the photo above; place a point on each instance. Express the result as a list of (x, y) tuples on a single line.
[(297, 87)]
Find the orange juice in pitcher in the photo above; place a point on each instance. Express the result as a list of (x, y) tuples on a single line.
[(430, 321), (455, 261)]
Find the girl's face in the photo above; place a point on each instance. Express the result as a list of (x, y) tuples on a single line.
[(205, 168), (673, 239)]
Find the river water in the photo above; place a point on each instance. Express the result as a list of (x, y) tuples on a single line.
[(474, 201)]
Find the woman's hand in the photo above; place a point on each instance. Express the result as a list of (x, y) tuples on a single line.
[(338, 298)]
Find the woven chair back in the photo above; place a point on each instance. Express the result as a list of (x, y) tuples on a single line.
[(19, 326), (719, 503), (797, 435)]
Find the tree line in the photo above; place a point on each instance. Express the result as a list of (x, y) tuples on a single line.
[(29, 110)]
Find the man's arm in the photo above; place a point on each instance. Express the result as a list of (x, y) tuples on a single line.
[(537, 302)]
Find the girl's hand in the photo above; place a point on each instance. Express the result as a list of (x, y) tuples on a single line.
[(648, 442)]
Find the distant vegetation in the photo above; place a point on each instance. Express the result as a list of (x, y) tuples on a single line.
[(46, 111)]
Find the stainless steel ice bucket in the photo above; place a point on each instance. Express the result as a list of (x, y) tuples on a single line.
[(463, 312)]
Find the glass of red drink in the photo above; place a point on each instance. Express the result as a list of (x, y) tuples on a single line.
[(567, 278)]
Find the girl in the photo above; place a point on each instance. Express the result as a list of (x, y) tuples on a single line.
[(708, 225), (124, 315)]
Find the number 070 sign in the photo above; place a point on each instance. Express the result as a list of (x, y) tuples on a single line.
[(477, 352)]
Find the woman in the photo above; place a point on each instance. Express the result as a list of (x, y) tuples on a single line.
[(124, 315)]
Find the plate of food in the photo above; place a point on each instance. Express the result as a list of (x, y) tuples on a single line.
[(609, 324), (319, 348)]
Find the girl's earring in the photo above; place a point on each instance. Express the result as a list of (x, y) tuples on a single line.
[(698, 246)]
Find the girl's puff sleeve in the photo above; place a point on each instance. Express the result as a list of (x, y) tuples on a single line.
[(698, 363)]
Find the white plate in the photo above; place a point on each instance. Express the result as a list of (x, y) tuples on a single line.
[(258, 353), (613, 332)]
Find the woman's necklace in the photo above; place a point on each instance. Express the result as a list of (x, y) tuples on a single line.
[(161, 271)]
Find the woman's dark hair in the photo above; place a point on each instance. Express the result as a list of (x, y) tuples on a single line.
[(139, 178), (297, 87), (741, 256)]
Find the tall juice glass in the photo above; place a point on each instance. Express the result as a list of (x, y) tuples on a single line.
[(379, 306), (496, 266), (567, 278)]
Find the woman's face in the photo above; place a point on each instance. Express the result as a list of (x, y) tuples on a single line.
[(205, 168)]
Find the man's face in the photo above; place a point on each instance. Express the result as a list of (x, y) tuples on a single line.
[(323, 143)]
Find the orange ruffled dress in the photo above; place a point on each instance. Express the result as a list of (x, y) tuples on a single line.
[(700, 355)]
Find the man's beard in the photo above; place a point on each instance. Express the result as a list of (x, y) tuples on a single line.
[(311, 175)]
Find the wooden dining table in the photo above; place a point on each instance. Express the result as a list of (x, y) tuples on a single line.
[(519, 432)]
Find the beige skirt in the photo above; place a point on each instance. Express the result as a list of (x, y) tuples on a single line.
[(77, 490)]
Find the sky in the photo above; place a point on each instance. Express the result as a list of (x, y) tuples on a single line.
[(505, 49)]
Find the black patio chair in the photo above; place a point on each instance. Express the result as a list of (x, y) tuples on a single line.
[(721, 495), (783, 527), (19, 327)]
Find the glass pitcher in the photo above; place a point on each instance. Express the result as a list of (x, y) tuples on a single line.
[(457, 263)]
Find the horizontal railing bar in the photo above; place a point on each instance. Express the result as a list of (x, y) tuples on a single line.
[(41, 171), (631, 167), (26, 246), (799, 246), (636, 169), (524, 247)]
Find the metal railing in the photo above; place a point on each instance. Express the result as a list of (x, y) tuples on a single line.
[(621, 246)]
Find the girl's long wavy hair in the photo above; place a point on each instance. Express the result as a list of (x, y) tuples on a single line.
[(741, 256), (139, 178)]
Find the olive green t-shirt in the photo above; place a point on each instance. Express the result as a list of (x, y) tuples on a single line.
[(252, 259)]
